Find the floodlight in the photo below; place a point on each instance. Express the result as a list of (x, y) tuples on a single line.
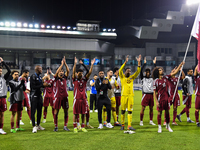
[(113, 30), (104, 30), (53, 26), (7, 24), (13, 24), (30, 25), (190, 2), (58, 27), (74, 28), (63, 27), (36, 25), (1, 23), (68, 27), (25, 25), (19, 24), (48, 26), (42, 26), (109, 30)]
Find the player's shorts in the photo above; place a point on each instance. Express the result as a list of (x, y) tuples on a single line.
[(127, 102), (26, 101), (118, 100), (61, 101), (3, 104), (80, 106), (187, 100), (16, 106), (147, 100), (197, 102), (48, 100), (176, 101), (164, 105)]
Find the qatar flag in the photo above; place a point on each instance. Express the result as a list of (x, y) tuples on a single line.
[(195, 33)]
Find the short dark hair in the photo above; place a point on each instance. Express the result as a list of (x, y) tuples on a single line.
[(79, 70), (109, 70), (25, 71), (101, 70), (14, 72), (189, 69), (115, 69), (127, 68), (147, 70), (95, 75)]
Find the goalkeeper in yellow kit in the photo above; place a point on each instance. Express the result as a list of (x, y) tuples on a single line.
[(127, 91)]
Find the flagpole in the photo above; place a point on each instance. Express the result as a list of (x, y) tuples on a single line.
[(188, 45), (185, 55)]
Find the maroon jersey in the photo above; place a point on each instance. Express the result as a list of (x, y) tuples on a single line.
[(80, 91), (48, 91), (197, 85), (60, 87), (172, 85), (160, 86)]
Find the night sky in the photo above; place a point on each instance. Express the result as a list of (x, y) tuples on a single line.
[(111, 13)]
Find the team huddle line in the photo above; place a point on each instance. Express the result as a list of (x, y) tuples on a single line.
[(108, 93)]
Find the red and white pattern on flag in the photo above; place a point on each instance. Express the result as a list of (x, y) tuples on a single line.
[(195, 33)]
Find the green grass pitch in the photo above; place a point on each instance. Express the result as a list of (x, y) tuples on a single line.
[(185, 135)]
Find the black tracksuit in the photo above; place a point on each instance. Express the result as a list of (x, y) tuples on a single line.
[(102, 98), (36, 97)]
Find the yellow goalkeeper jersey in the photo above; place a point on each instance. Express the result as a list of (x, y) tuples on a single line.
[(127, 83)]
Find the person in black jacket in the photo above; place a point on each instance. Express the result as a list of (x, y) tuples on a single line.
[(102, 85), (36, 97), (3, 94), (16, 97)]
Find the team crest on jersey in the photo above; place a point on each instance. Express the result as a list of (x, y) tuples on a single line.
[(128, 81)]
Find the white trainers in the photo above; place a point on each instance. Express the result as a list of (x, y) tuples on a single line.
[(91, 111), (96, 110), (34, 129), (141, 123), (100, 126), (21, 123), (44, 121), (169, 129), (129, 132), (40, 128), (2, 132), (109, 125), (159, 130), (151, 123)]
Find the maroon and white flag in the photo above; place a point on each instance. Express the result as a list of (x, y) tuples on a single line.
[(195, 33)]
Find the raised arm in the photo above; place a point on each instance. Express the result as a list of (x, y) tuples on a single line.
[(91, 68), (195, 71), (177, 69), (8, 69), (74, 68), (58, 70), (154, 62), (66, 66), (138, 68), (121, 74), (141, 72), (81, 62)]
